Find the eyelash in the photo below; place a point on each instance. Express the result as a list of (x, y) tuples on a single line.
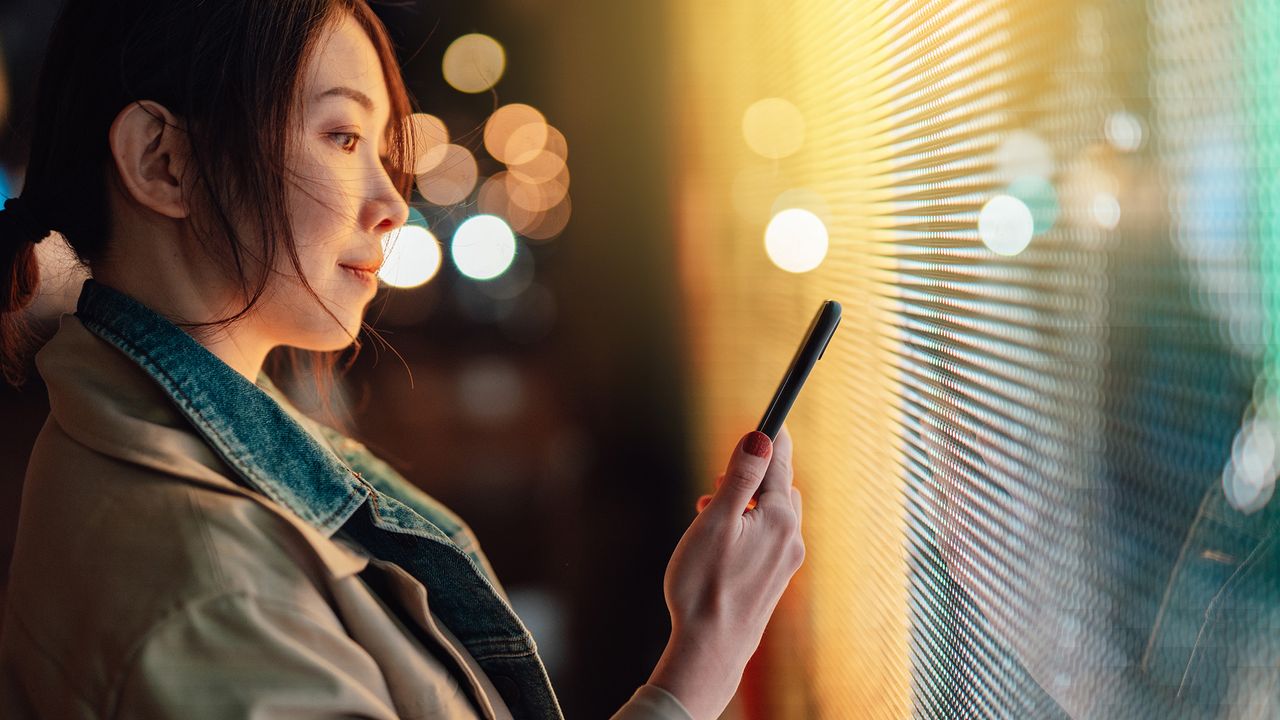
[(354, 143), (386, 161)]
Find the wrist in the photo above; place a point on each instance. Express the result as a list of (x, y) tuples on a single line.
[(699, 676)]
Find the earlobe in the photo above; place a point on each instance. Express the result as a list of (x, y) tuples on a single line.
[(149, 148)]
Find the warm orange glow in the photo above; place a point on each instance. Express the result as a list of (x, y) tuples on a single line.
[(474, 63), (556, 143), (430, 139), (515, 133), (541, 167), (551, 222), (452, 179), (537, 197)]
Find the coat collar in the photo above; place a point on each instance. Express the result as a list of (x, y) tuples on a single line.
[(247, 428)]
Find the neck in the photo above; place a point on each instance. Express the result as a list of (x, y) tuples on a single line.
[(150, 268)]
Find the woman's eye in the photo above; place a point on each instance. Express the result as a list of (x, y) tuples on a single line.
[(346, 141)]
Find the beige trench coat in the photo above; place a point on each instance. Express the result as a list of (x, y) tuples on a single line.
[(145, 583)]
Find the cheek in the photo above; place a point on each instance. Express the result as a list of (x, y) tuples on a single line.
[(320, 214)]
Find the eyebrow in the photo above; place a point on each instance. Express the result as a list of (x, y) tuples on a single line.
[(349, 93)]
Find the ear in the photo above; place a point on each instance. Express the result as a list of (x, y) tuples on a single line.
[(150, 149)]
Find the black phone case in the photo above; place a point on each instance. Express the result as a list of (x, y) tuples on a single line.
[(810, 351)]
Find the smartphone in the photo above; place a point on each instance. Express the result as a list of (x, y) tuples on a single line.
[(810, 351)]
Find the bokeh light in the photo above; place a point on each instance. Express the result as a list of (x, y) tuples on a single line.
[(773, 127), (493, 199), (483, 247), (550, 223), (412, 257), (1041, 199), (474, 63), (430, 141), (514, 280), (1105, 209), (1124, 131), (452, 179), (515, 133), (804, 199), (796, 240), (1249, 480), (557, 143), (537, 197), (1005, 225), (538, 167), (1023, 153)]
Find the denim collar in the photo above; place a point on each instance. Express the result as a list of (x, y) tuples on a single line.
[(271, 452), (266, 446)]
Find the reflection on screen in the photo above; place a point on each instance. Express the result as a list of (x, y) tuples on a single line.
[(1040, 457)]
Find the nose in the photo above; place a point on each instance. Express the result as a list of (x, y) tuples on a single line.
[(386, 209)]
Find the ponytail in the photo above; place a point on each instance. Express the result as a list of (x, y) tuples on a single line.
[(21, 227)]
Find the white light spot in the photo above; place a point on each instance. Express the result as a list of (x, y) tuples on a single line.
[(412, 257), (1250, 477), (1124, 131), (483, 247), (1105, 209), (1005, 225), (796, 240)]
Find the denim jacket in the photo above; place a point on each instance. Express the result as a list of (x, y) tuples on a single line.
[(340, 496)]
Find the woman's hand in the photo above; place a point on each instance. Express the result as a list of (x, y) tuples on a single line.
[(727, 574)]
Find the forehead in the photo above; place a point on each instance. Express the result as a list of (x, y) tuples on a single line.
[(345, 57)]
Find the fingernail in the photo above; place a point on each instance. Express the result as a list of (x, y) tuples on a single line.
[(756, 443)]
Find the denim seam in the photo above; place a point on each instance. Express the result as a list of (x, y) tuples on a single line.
[(1211, 607), (1169, 584)]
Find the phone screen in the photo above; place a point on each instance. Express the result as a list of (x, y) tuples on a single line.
[(811, 349)]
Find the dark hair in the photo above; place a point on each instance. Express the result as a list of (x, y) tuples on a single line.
[(230, 70)]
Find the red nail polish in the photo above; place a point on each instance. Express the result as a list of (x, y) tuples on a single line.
[(756, 443)]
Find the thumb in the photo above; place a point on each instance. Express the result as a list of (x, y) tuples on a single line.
[(742, 477)]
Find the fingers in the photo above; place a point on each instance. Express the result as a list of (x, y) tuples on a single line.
[(796, 505), (742, 477), (775, 488), (706, 500)]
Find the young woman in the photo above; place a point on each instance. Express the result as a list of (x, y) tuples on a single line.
[(190, 545)]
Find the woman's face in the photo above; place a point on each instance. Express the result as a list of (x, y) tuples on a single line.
[(341, 200)]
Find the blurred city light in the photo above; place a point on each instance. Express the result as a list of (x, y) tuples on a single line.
[(1124, 131), (550, 223), (1105, 209), (474, 63), (430, 141), (773, 127), (1040, 197), (1023, 154), (412, 257), (483, 247), (452, 179), (1005, 225), (796, 240), (515, 133)]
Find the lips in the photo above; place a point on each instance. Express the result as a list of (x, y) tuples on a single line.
[(365, 266)]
